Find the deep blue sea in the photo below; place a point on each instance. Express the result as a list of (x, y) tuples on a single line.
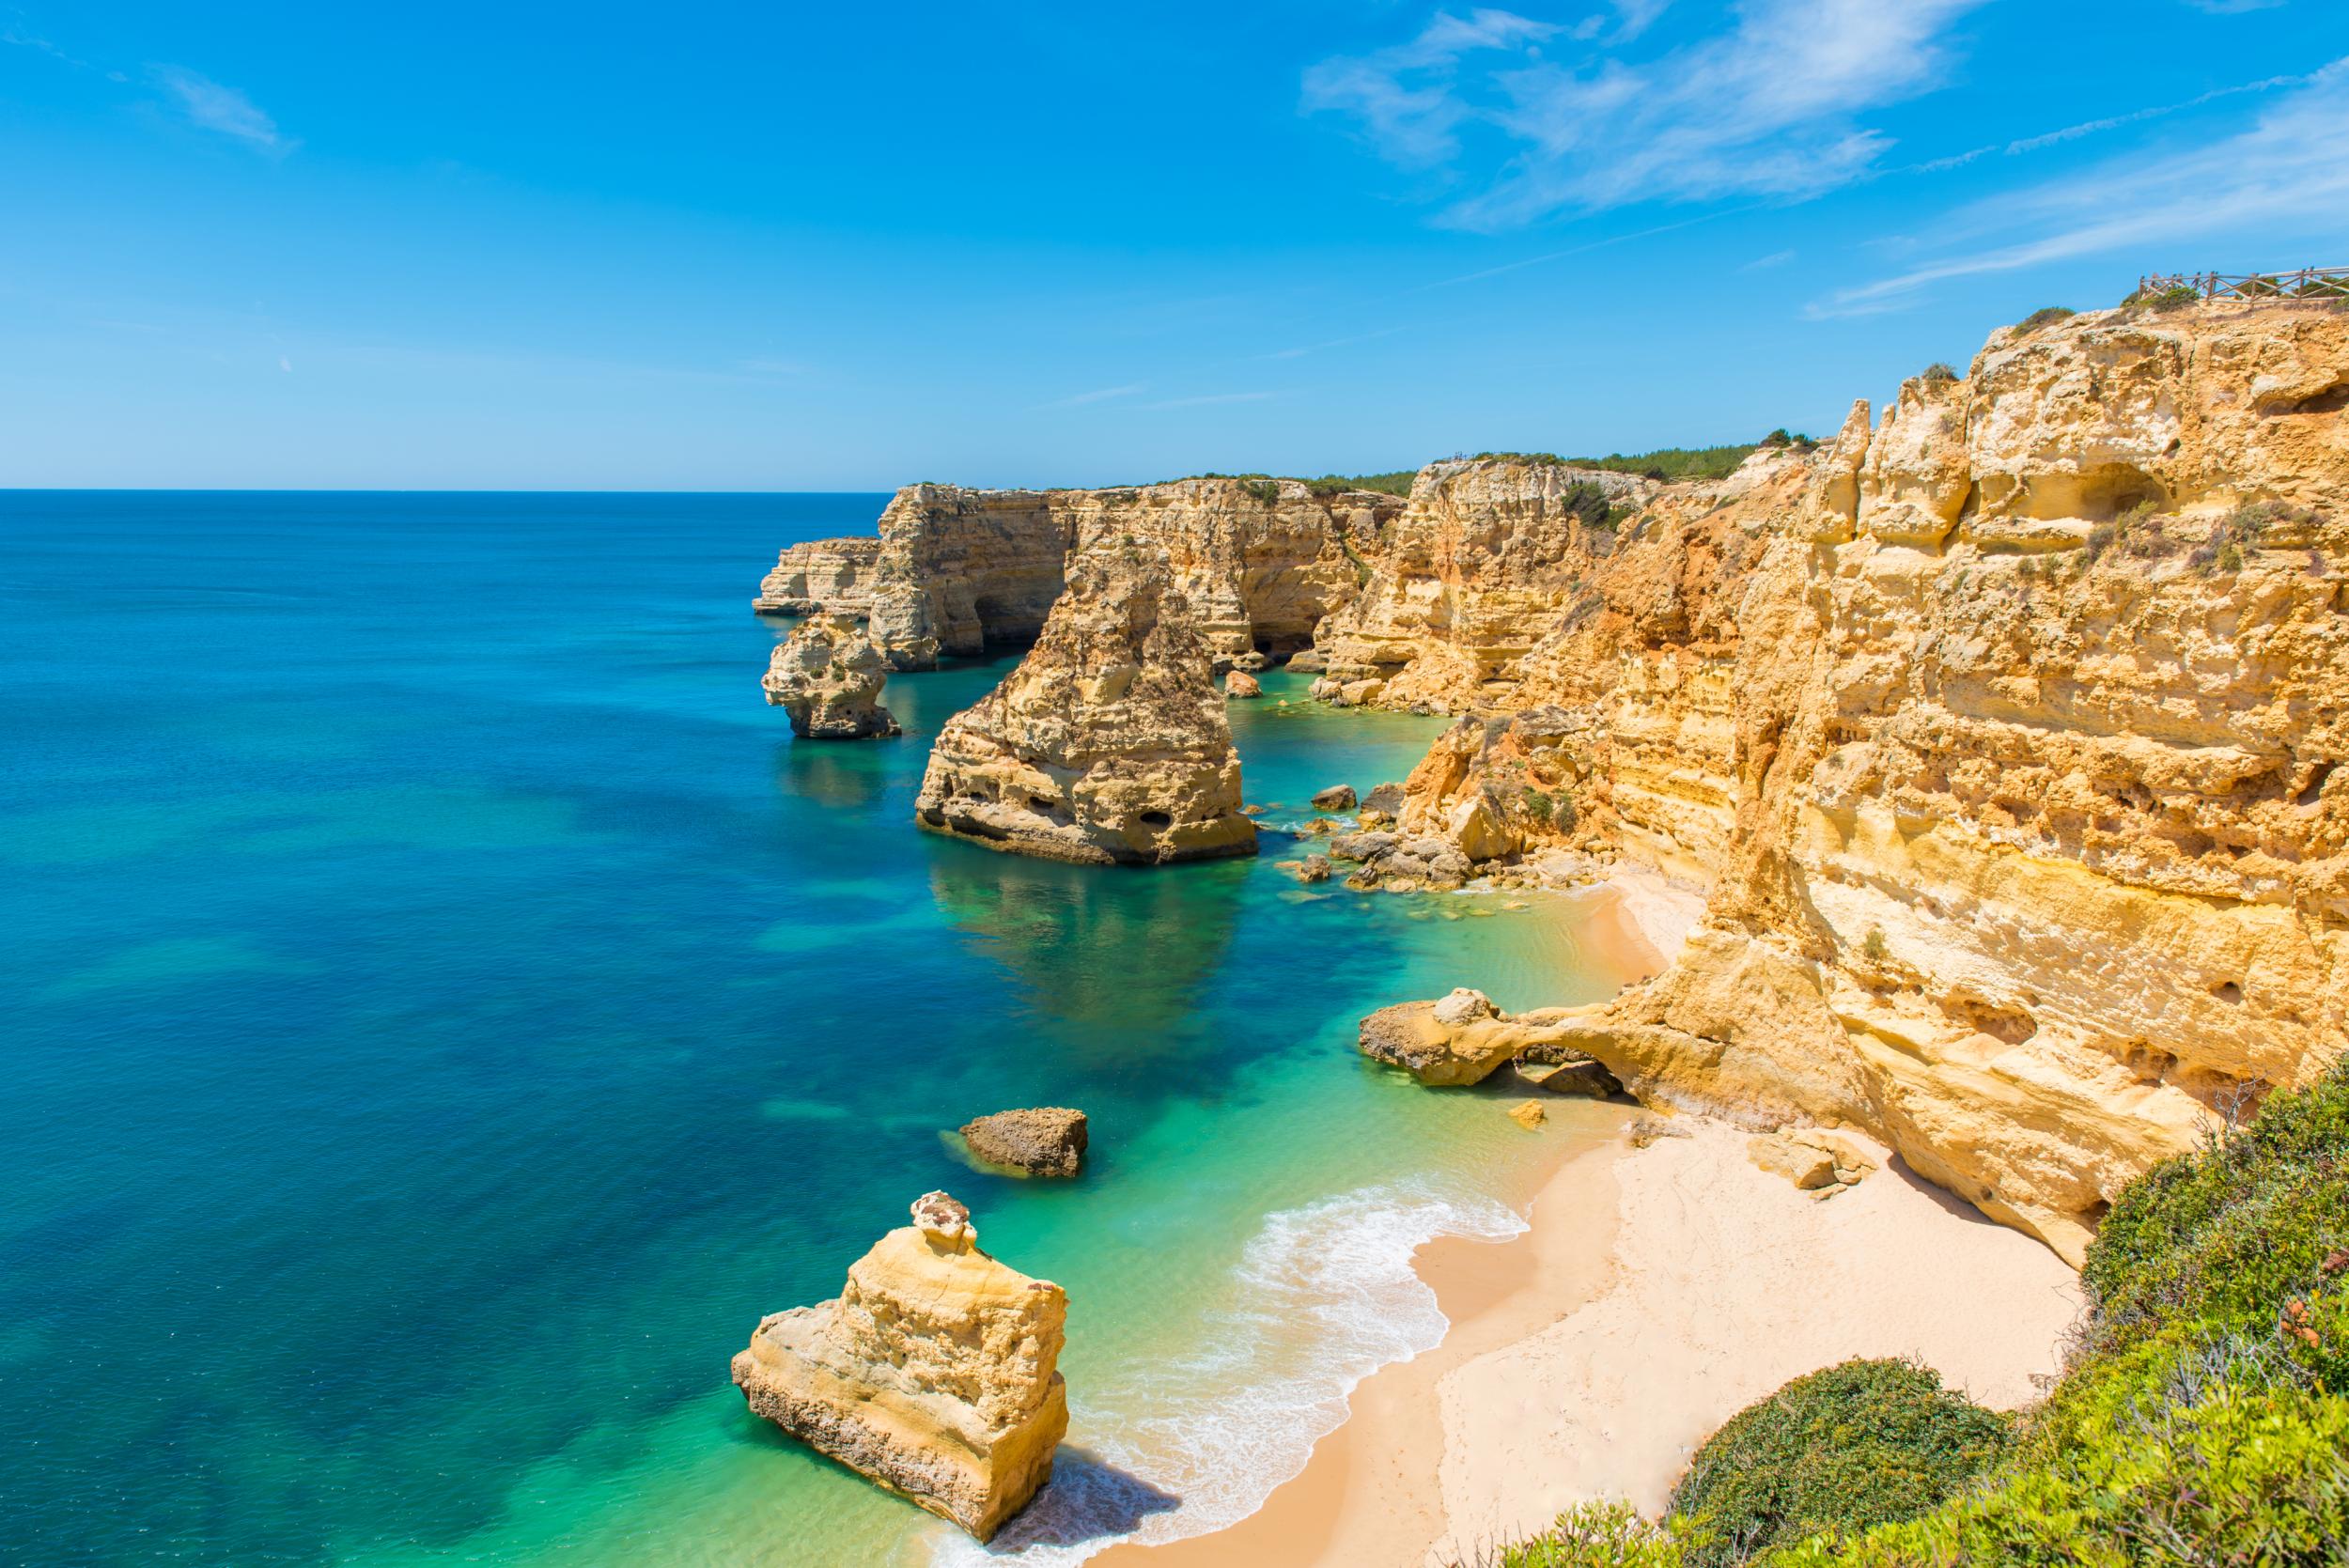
[(445, 1009)]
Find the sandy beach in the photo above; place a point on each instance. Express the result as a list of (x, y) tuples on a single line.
[(1659, 1291)]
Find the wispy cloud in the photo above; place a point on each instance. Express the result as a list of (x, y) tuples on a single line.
[(2234, 8), (2286, 169), (17, 34), (1213, 398), (210, 106), (1406, 97), (1769, 107), (1305, 348), (1100, 394), (1760, 263)]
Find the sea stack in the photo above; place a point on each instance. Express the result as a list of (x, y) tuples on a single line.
[(1109, 744), (933, 1374), (828, 676)]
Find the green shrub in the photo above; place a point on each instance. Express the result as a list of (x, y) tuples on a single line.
[(2047, 317), (1538, 805), (2175, 297), (1597, 1535), (2203, 1417), (1940, 371), (1872, 944), (1857, 1445), (1672, 463), (1397, 483)]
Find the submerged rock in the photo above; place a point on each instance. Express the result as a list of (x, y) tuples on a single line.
[(1108, 743), (933, 1372), (1045, 1140), (1527, 1115), (828, 676)]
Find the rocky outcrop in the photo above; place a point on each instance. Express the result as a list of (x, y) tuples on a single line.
[(822, 577), (828, 676), (1463, 1038), (1241, 685), (933, 1374), (1044, 1140), (2005, 732), (1109, 743), (959, 572)]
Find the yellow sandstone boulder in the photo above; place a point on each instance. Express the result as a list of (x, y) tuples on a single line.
[(933, 1374)]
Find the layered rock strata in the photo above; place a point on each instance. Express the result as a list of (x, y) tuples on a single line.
[(2005, 732), (828, 676), (821, 577), (934, 1372), (1109, 743), (959, 572)]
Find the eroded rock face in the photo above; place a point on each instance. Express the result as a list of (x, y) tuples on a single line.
[(933, 1374), (1043, 1141), (822, 577), (2005, 736), (828, 676), (958, 572), (1108, 744)]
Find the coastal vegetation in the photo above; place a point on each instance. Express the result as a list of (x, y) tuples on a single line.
[(2203, 1416)]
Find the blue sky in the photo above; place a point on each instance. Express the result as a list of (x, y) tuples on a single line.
[(778, 247)]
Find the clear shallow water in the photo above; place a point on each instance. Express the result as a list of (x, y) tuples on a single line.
[(445, 1010)]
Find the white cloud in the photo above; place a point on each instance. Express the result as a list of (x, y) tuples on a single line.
[(1768, 107), (2234, 8), (2287, 169), (213, 107), (1404, 95)]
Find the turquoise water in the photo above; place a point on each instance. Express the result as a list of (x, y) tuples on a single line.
[(446, 1010)]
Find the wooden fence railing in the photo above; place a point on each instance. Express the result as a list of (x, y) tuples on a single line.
[(2308, 282)]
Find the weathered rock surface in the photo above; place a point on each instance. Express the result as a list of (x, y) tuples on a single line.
[(1043, 1141), (821, 577), (828, 676), (2005, 734), (933, 1374), (1109, 743), (1240, 684), (959, 572), (1335, 798)]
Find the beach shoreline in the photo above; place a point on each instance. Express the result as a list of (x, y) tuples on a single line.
[(1657, 1291)]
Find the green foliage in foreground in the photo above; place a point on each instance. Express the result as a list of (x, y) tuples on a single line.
[(2204, 1418), (1860, 1444)]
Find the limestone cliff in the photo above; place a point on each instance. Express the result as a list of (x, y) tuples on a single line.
[(828, 676), (959, 572), (1109, 743), (822, 576), (934, 1372), (2004, 731)]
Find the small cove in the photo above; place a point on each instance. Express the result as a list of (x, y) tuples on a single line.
[(452, 1010)]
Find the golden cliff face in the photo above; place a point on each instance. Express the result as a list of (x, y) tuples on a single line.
[(2006, 734), (959, 572), (1109, 743)]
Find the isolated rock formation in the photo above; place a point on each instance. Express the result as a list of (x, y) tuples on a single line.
[(932, 1374), (1240, 684), (829, 678), (2005, 734), (1046, 1141), (1109, 742)]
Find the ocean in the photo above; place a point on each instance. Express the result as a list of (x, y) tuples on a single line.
[(445, 1009)]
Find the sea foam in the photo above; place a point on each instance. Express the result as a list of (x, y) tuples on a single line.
[(1323, 1296)]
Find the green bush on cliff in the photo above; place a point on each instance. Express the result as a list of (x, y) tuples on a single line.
[(1860, 1444), (2202, 1419)]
